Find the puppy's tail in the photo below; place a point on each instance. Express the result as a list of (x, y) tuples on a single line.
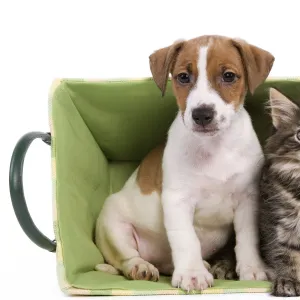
[(107, 269)]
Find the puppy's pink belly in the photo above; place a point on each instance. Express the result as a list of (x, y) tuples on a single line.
[(154, 248)]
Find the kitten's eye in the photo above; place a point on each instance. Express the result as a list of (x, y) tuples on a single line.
[(297, 136), (228, 77), (183, 78)]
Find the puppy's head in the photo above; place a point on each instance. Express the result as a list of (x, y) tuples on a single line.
[(210, 78)]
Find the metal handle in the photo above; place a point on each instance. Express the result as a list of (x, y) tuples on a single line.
[(17, 191)]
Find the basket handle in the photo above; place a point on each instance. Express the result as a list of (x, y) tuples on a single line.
[(17, 191)]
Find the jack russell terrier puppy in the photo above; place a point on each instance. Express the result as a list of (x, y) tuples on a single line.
[(188, 196)]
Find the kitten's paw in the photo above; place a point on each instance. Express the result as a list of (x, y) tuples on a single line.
[(285, 287), (224, 269), (248, 272), (190, 280)]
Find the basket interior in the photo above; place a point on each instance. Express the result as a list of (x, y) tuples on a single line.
[(101, 131)]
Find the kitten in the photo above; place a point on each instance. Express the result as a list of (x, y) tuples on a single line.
[(279, 212)]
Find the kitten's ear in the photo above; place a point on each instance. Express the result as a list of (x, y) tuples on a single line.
[(283, 109)]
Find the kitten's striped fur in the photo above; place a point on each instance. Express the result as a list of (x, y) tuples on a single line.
[(279, 212)]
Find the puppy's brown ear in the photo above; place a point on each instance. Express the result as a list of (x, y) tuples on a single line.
[(162, 62), (257, 63)]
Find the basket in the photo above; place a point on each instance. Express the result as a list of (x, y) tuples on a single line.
[(99, 132)]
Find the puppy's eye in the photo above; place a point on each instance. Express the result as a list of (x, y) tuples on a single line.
[(297, 136), (183, 78), (229, 77)]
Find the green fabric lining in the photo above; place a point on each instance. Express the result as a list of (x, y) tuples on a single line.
[(101, 280), (101, 130)]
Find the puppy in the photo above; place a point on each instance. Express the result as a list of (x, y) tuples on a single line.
[(183, 202)]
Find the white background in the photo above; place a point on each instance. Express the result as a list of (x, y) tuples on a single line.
[(43, 40)]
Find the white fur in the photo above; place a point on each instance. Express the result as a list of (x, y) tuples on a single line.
[(209, 182)]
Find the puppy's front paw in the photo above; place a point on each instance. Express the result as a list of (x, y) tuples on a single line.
[(190, 280), (252, 272)]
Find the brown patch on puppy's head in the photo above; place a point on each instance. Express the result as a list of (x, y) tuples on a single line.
[(179, 58), (186, 64), (249, 65), (223, 61)]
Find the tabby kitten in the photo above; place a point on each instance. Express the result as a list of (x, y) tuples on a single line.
[(279, 212)]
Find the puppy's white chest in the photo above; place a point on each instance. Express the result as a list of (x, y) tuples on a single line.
[(216, 168), (213, 220), (214, 209), (214, 189)]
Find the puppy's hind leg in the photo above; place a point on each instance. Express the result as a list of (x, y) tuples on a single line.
[(117, 240)]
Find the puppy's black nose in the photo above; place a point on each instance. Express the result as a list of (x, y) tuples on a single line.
[(203, 115)]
